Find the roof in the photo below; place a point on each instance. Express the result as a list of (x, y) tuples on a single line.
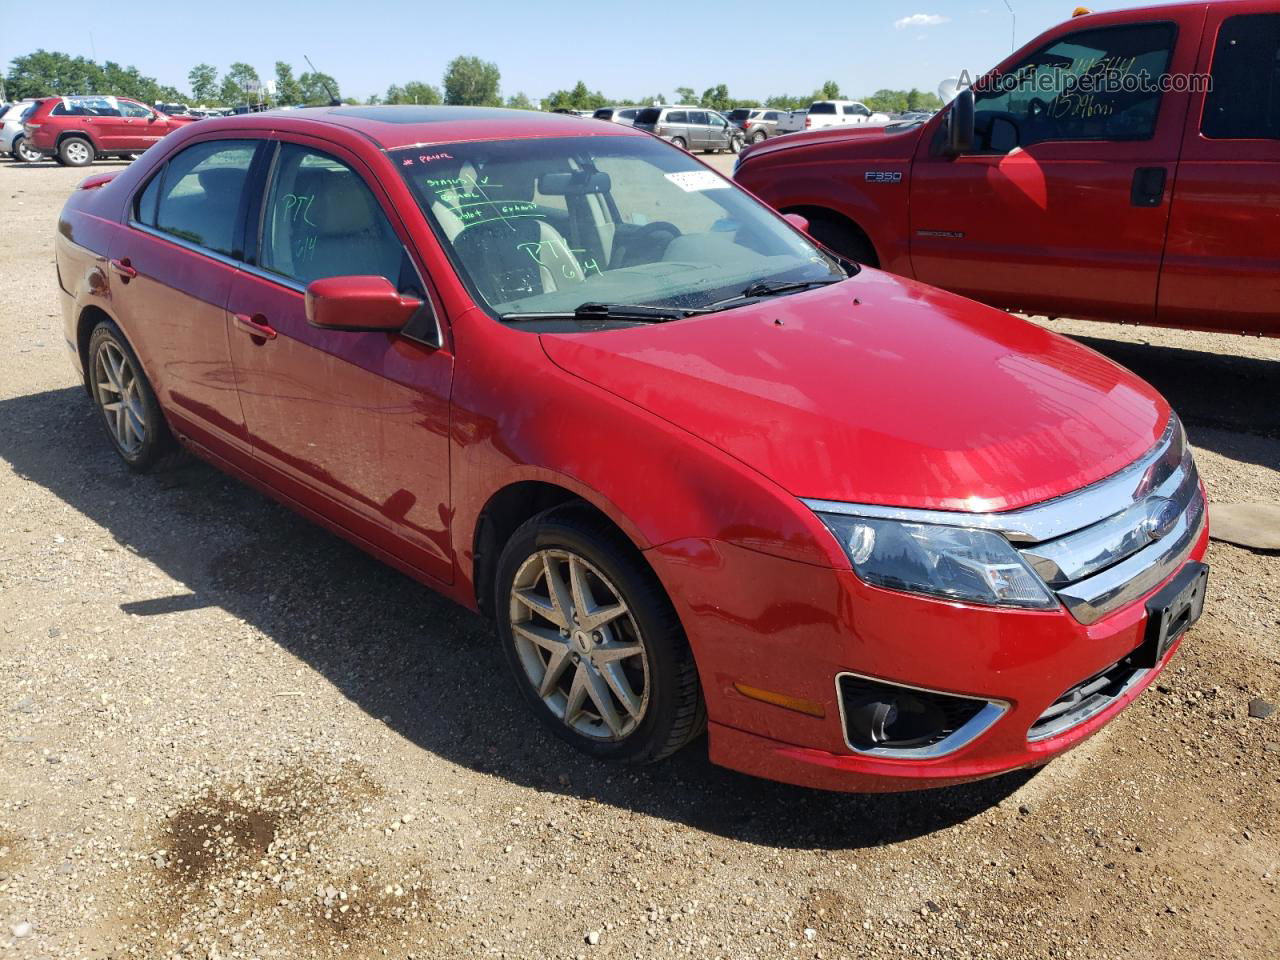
[(408, 125)]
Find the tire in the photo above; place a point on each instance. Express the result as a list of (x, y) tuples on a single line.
[(136, 426), (841, 236), (24, 152), (76, 152), (660, 679), (679, 142), (735, 145), (758, 136)]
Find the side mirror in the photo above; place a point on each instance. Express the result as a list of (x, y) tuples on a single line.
[(801, 223), (960, 124), (358, 303)]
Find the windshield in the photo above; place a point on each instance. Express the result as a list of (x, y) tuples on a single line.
[(548, 225)]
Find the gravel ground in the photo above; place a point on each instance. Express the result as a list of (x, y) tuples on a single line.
[(225, 733)]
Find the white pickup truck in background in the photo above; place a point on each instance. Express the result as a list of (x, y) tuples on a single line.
[(830, 113)]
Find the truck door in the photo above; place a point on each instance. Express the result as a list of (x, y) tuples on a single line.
[(1222, 261), (1063, 204)]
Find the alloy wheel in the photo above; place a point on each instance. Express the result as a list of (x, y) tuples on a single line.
[(116, 387), (579, 645), (25, 152), (77, 152)]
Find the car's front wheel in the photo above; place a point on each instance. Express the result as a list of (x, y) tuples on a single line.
[(128, 406), (593, 641), (23, 151), (76, 152)]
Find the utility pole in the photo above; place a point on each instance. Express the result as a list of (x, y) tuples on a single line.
[(1013, 30)]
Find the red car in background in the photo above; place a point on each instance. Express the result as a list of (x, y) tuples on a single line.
[(702, 473), (1122, 166), (75, 131)]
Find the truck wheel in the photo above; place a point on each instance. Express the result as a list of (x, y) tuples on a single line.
[(24, 151), (841, 236), (593, 641), (76, 152)]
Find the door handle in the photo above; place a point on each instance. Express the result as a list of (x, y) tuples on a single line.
[(255, 326), (124, 268), (1148, 186)]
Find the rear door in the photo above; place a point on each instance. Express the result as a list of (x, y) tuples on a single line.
[(353, 424), (676, 124), (1222, 260), (182, 244), (1062, 207)]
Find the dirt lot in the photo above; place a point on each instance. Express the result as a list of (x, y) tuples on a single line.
[(224, 733)]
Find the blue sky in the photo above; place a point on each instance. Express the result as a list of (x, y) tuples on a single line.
[(758, 48)]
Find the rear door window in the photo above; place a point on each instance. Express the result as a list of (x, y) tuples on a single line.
[(677, 116), (198, 194), (1244, 100), (823, 108)]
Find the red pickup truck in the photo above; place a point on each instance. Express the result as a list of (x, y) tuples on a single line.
[(1122, 166)]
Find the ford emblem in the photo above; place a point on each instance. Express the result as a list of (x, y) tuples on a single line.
[(1162, 517)]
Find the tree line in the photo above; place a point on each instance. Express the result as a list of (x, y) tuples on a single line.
[(468, 81)]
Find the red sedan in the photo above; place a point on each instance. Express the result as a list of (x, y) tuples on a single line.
[(700, 471)]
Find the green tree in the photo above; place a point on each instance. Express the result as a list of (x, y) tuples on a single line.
[(787, 101), (470, 81), (48, 73), (519, 101), (828, 91), (717, 97), (685, 95), (318, 88), (579, 98), (888, 101), (288, 90), (203, 78)]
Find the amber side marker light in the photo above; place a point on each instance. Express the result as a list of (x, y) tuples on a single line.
[(1080, 12), (798, 704)]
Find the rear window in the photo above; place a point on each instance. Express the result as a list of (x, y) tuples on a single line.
[(737, 116), (822, 108), (602, 114), (1244, 102), (648, 116)]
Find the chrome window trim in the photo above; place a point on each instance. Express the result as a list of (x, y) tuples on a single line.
[(1043, 521), (980, 723)]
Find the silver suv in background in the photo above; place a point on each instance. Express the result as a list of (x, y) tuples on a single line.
[(13, 139), (691, 128), (756, 123), (624, 115)]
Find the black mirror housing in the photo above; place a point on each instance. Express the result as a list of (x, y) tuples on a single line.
[(960, 124)]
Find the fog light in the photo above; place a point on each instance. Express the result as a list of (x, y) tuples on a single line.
[(887, 719)]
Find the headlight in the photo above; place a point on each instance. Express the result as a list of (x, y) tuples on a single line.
[(955, 563)]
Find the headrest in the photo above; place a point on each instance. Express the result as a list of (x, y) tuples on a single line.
[(342, 204), (224, 182)]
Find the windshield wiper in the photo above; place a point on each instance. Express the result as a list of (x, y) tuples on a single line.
[(769, 288), (640, 312)]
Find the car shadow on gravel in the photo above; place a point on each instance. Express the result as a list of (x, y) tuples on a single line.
[(1222, 391), (406, 656)]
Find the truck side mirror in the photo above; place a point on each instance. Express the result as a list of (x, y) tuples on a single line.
[(960, 124)]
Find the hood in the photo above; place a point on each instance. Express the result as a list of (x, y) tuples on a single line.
[(905, 396), (902, 139)]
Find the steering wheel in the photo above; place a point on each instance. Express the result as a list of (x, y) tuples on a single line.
[(658, 226), (1036, 108)]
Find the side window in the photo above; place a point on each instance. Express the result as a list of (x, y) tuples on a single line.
[(1099, 84), (823, 108), (1244, 101), (677, 116), (322, 220), (771, 115), (135, 110), (850, 110), (698, 118), (197, 195)]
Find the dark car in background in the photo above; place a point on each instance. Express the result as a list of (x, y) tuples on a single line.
[(691, 128), (75, 131)]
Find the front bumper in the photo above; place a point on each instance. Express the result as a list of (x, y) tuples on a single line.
[(792, 628)]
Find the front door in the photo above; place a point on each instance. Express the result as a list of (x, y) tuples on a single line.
[(1222, 262), (1063, 205), (353, 425), (140, 128)]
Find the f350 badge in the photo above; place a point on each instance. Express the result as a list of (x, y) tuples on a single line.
[(883, 176)]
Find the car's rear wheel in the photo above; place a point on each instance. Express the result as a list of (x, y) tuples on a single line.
[(678, 142), (593, 641), (130, 412), (76, 152), (24, 151), (758, 136)]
